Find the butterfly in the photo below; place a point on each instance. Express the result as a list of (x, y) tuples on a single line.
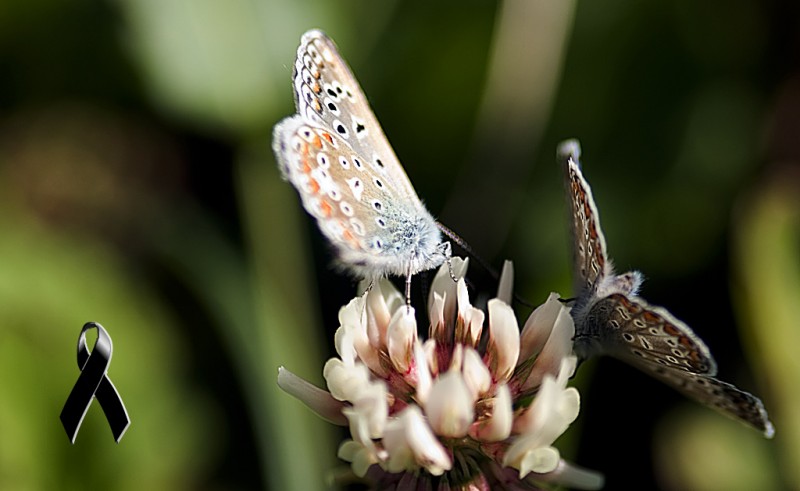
[(334, 152), (611, 319)]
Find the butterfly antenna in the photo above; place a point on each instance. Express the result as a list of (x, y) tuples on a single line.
[(468, 249), (483, 264)]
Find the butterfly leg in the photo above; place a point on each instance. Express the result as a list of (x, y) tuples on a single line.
[(408, 290), (447, 251)]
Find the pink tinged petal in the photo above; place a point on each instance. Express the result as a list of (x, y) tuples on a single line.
[(367, 420), (502, 350), (424, 379), (361, 451), (429, 347), (352, 332), (345, 381), (470, 320), (382, 299), (410, 443), (531, 452), (475, 373), (318, 400), (373, 407), (557, 348), (573, 477), (359, 427), (360, 456), (497, 426), (436, 315), (475, 327), (451, 405), (352, 340), (445, 287), (539, 460), (505, 290), (443, 282), (538, 327), (402, 334), (552, 410)]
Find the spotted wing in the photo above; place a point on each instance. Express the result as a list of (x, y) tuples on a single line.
[(718, 395), (654, 341), (646, 336), (327, 93), (354, 207), (590, 261)]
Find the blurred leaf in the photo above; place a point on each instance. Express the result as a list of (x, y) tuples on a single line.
[(220, 62)]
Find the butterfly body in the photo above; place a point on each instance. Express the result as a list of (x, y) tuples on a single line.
[(334, 152), (611, 319)]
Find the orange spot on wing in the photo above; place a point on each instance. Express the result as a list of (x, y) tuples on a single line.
[(325, 208), (328, 137), (650, 317), (348, 236), (314, 189), (671, 330), (317, 142), (306, 166)]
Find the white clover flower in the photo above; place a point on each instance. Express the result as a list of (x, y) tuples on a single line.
[(477, 405)]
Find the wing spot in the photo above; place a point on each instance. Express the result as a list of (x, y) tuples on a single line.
[(314, 52), (377, 205), (323, 161), (628, 337), (307, 77), (344, 163), (377, 244), (340, 128), (381, 222), (379, 183), (332, 106), (296, 144), (346, 208), (358, 227), (357, 163)]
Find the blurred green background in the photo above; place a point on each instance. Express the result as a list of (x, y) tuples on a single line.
[(138, 190)]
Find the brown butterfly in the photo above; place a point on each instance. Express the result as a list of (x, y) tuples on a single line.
[(611, 319)]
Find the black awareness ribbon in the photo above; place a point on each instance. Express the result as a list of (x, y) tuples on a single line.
[(93, 383)]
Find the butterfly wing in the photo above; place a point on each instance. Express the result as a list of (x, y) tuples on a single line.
[(647, 336), (590, 261), (326, 92), (654, 341), (355, 209), (337, 157), (718, 395)]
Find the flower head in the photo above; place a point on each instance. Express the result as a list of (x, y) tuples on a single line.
[(477, 405)]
